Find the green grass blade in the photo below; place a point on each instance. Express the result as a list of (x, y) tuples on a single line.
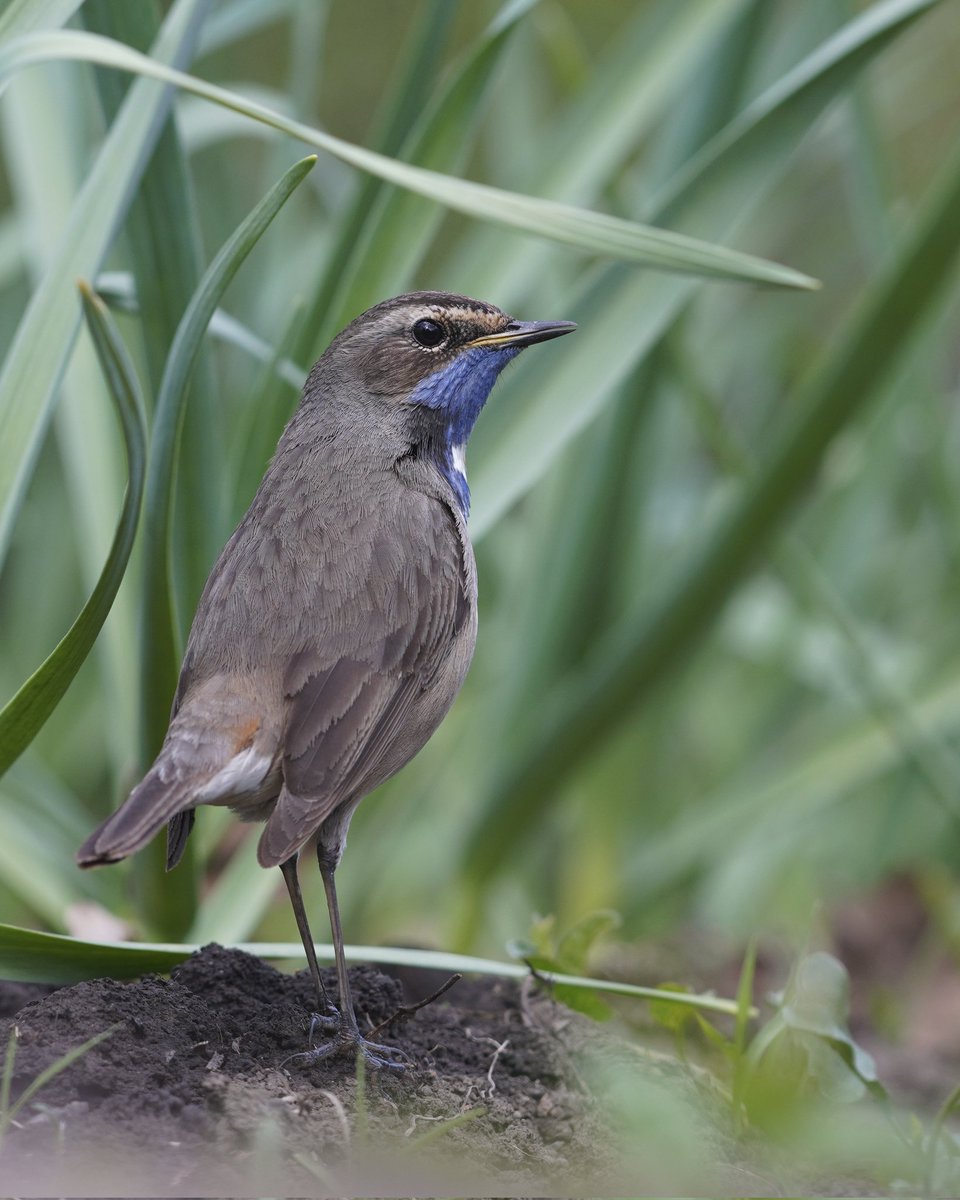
[(236, 900), (622, 317), (401, 225), (400, 106), (628, 94), (24, 715), (934, 761), (28, 955), (594, 232), (783, 112), (843, 768), (7, 1078), (633, 661), (51, 1072), (160, 649), (29, 16), (37, 357), (163, 238)]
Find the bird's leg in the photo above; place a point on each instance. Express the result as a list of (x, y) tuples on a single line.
[(292, 880), (349, 1038)]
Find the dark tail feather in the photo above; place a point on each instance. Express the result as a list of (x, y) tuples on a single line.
[(177, 833), (150, 805)]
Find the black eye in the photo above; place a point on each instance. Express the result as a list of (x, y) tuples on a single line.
[(428, 333)]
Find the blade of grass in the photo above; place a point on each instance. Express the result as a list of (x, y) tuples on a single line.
[(784, 111), (6, 1079), (9, 1114), (44, 337), (28, 955), (24, 715), (43, 109), (650, 60), (934, 761), (28, 16), (31, 865), (163, 235), (621, 317), (584, 229), (401, 104), (841, 769), (745, 1011), (117, 290), (634, 660), (401, 224), (172, 908)]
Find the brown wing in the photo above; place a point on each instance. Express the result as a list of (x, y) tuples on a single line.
[(351, 696)]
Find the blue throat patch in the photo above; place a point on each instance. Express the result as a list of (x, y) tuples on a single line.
[(458, 392)]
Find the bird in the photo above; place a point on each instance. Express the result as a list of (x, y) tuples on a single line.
[(338, 623)]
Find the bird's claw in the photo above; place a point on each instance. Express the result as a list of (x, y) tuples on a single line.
[(346, 1039), (329, 1022)]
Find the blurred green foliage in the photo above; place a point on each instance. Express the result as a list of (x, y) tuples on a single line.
[(718, 674)]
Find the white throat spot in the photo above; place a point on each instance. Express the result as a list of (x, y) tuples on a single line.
[(459, 456)]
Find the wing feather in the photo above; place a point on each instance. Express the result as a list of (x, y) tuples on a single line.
[(347, 718)]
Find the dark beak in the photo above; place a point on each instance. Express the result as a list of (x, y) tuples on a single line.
[(525, 333)]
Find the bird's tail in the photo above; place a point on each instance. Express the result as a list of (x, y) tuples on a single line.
[(151, 804)]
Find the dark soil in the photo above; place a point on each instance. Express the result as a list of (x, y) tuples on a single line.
[(201, 1090), (195, 1092)]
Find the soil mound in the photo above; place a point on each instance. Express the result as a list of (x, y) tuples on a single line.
[(198, 1089)]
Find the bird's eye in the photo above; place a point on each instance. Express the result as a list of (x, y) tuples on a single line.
[(429, 333)]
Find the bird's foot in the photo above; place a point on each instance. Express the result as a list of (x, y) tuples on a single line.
[(346, 1039), (329, 1022)]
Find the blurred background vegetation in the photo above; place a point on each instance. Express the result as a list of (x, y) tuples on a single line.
[(718, 676)]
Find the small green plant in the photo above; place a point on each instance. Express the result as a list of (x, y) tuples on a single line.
[(9, 1109), (806, 1048), (545, 950)]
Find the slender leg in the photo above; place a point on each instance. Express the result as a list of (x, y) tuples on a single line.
[(347, 1013), (349, 1039), (342, 1022), (291, 879)]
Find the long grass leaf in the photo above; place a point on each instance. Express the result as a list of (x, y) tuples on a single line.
[(401, 103), (28, 16), (36, 1084), (840, 769), (41, 109), (594, 232), (635, 659), (621, 317), (160, 648), (782, 112), (25, 714), (163, 238), (37, 357), (651, 59), (400, 226), (28, 955)]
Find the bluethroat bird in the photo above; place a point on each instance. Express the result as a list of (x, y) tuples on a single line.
[(339, 621)]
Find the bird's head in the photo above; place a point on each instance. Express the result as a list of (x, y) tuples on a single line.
[(425, 364)]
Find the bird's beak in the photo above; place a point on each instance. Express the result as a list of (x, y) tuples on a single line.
[(524, 333)]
